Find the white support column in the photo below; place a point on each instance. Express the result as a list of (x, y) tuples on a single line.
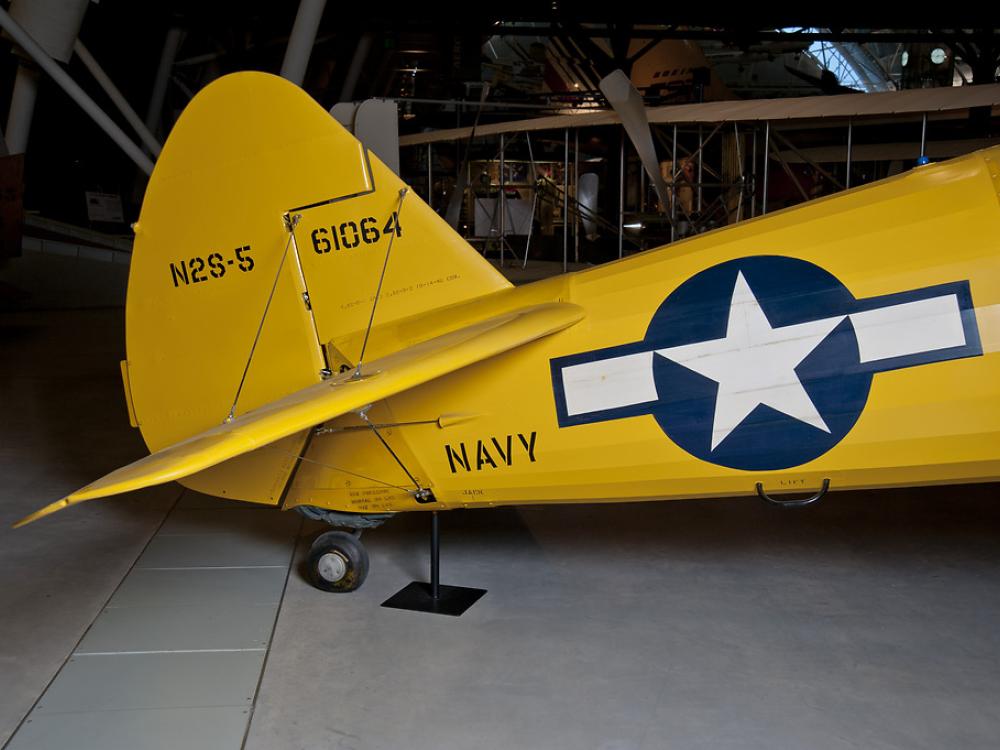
[(159, 94), (117, 98), (302, 39), (354, 70), (52, 25), (88, 105), (22, 107)]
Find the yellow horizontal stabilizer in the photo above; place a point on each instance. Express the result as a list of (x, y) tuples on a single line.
[(323, 401)]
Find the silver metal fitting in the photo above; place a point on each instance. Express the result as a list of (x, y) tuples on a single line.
[(424, 495)]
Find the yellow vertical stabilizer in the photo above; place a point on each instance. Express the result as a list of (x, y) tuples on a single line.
[(261, 240)]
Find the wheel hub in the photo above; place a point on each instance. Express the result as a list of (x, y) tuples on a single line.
[(332, 567)]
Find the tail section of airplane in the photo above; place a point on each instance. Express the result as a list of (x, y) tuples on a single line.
[(261, 245), (847, 343)]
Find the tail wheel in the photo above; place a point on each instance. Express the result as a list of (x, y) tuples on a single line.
[(338, 562)]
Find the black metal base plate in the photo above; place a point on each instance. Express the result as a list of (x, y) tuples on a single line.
[(452, 600)]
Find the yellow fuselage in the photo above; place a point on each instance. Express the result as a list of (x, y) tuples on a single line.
[(852, 339), (921, 421)]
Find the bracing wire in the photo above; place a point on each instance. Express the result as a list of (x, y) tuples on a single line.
[(381, 278), (397, 459), (260, 327), (344, 471)]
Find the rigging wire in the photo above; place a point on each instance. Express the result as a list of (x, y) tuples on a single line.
[(420, 490), (291, 222), (381, 278), (344, 471), (260, 327), (380, 425)]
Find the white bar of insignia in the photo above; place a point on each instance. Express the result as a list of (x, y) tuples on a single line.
[(609, 383), (926, 325)]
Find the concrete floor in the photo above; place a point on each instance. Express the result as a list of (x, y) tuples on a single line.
[(869, 621)]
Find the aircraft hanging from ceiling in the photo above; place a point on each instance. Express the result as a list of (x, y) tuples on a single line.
[(303, 331)]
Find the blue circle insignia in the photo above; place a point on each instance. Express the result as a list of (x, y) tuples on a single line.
[(764, 362), (798, 415)]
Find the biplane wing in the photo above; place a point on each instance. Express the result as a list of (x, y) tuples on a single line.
[(331, 398)]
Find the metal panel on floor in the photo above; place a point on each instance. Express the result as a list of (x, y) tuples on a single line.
[(171, 679), (174, 587), (208, 625), (175, 657), (163, 729), (214, 550)]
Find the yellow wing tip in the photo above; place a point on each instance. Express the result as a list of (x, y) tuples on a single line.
[(42, 512), (77, 497)]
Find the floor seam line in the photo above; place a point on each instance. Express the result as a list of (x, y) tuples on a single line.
[(171, 651), (270, 638), (104, 606), (215, 567)]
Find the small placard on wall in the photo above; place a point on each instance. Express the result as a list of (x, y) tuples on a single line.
[(104, 207)]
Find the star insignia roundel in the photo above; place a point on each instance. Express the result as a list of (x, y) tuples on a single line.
[(764, 362)]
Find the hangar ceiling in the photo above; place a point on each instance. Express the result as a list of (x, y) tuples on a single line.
[(536, 59)]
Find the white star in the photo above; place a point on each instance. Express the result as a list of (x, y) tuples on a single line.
[(755, 364)]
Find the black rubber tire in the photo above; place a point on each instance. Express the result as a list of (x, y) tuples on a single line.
[(348, 547)]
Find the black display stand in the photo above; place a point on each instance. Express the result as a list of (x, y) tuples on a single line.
[(433, 597)]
